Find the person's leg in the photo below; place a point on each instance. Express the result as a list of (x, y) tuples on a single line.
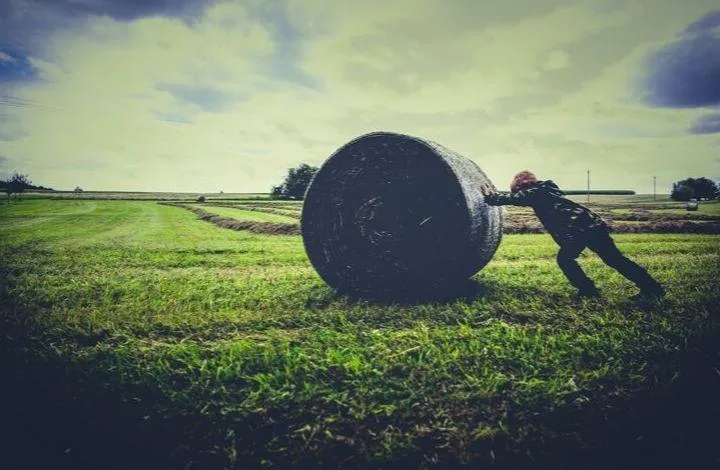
[(603, 244), (566, 259)]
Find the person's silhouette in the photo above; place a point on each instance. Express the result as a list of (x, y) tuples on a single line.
[(574, 227)]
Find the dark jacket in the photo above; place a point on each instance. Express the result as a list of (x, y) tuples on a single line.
[(565, 220)]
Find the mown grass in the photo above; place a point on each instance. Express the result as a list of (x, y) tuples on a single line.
[(140, 335)]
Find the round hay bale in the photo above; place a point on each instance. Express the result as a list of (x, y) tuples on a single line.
[(392, 214), (200, 199)]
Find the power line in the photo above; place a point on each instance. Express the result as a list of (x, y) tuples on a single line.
[(654, 187)]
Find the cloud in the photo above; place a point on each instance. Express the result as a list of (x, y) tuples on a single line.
[(707, 22), (204, 97), (5, 57), (285, 63), (709, 124), (27, 25), (125, 10), (173, 118), (686, 72), (15, 68), (445, 59), (10, 129), (557, 60)]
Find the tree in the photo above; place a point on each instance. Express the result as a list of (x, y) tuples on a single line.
[(697, 188), (16, 184), (295, 184), (681, 192)]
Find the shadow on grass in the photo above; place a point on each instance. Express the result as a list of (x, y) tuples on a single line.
[(54, 418), (321, 296)]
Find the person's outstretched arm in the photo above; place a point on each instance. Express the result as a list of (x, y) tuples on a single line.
[(523, 197)]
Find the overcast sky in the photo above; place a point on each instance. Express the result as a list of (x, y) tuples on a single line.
[(208, 96)]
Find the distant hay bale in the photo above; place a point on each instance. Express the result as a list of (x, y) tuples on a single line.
[(200, 199), (691, 206), (394, 214)]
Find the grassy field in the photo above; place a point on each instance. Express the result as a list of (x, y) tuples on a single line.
[(137, 335)]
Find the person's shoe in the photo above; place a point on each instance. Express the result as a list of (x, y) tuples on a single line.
[(587, 294), (655, 291), (649, 296)]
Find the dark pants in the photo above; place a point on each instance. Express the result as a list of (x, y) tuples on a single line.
[(602, 243)]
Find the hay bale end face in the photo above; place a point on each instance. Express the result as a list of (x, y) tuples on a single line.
[(392, 214)]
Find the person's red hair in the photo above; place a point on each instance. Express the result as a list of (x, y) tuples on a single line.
[(522, 180)]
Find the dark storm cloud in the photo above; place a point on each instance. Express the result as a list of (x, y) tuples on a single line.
[(705, 23), (118, 9), (287, 59), (15, 67), (204, 97), (686, 73), (25, 25), (709, 124)]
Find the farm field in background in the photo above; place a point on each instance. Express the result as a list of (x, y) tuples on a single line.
[(623, 213), (140, 335), (134, 195)]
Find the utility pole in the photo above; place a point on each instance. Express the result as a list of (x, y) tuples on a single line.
[(654, 187), (588, 186)]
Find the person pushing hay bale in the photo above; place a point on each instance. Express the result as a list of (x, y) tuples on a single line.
[(393, 215)]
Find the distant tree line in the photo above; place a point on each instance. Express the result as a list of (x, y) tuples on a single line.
[(17, 184), (694, 188), (296, 183)]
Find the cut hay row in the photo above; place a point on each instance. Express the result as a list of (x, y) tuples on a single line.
[(267, 228), (267, 210), (252, 214), (660, 226), (667, 226), (297, 205), (516, 214), (639, 206), (651, 217)]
